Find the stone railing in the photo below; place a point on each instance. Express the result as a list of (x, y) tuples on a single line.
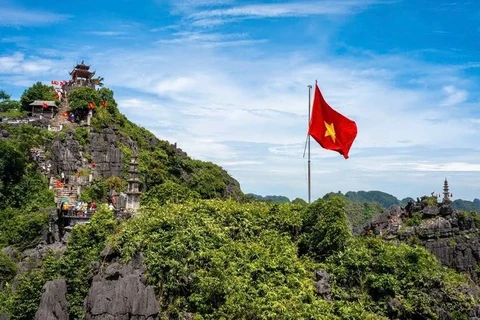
[(22, 121), (55, 128)]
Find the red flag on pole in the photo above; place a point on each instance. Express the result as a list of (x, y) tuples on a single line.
[(329, 128)]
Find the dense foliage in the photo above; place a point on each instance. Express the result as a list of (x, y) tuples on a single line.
[(275, 199), (23, 194), (384, 199), (76, 266), (400, 282), (6, 104)]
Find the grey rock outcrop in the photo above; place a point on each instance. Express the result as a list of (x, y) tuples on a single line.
[(53, 304), (66, 156), (322, 284), (103, 147), (430, 212), (452, 237), (120, 292), (105, 151)]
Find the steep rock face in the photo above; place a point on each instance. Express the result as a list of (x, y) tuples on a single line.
[(66, 156), (32, 258), (105, 151), (53, 304), (103, 147), (120, 292), (454, 239)]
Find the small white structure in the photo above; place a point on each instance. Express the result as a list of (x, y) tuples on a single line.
[(133, 189)]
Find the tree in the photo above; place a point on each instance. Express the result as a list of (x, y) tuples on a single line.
[(4, 95), (325, 227), (80, 98), (38, 91), (299, 201), (6, 104), (12, 163)]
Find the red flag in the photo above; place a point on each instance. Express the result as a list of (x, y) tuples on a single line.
[(329, 128), (44, 105)]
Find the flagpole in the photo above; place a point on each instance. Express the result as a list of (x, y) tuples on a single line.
[(308, 145)]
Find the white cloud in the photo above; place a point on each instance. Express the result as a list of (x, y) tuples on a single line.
[(17, 63), (17, 16), (108, 33), (245, 107), (292, 9), (454, 96)]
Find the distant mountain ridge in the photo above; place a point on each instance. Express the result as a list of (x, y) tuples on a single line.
[(386, 200), (270, 198)]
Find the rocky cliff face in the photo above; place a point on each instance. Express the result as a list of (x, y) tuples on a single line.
[(451, 236), (120, 292), (53, 304), (103, 148)]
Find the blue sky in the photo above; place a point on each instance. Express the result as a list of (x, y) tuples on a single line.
[(227, 80)]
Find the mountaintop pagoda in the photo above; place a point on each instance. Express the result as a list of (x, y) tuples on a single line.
[(81, 76), (446, 192)]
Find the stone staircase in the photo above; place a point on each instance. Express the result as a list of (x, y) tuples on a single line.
[(68, 191), (39, 153), (59, 119)]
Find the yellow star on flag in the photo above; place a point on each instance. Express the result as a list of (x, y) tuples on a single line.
[(330, 130)]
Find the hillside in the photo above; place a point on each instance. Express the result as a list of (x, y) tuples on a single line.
[(197, 247)]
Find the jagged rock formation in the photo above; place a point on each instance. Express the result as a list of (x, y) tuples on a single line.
[(103, 148), (53, 304), (66, 156), (120, 292), (451, 236), (32, 258)]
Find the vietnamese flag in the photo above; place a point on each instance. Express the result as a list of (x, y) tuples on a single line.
[(329, 128)]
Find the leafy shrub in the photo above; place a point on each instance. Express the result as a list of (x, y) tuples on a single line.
[(414, 220), (325, 228), (221, 259), (82, 135), (7, 269), (169, 192), (79, 98), (375, 272)]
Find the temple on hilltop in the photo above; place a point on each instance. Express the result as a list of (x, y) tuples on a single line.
[(446, 192), (81, 76)]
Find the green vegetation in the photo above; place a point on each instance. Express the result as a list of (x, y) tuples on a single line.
[(384, 199), (274, 199), (82, 135), (399, 282), (23, 193), (414, 220), (9, 108), (76, 266), (81, 97), (465, 205)]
